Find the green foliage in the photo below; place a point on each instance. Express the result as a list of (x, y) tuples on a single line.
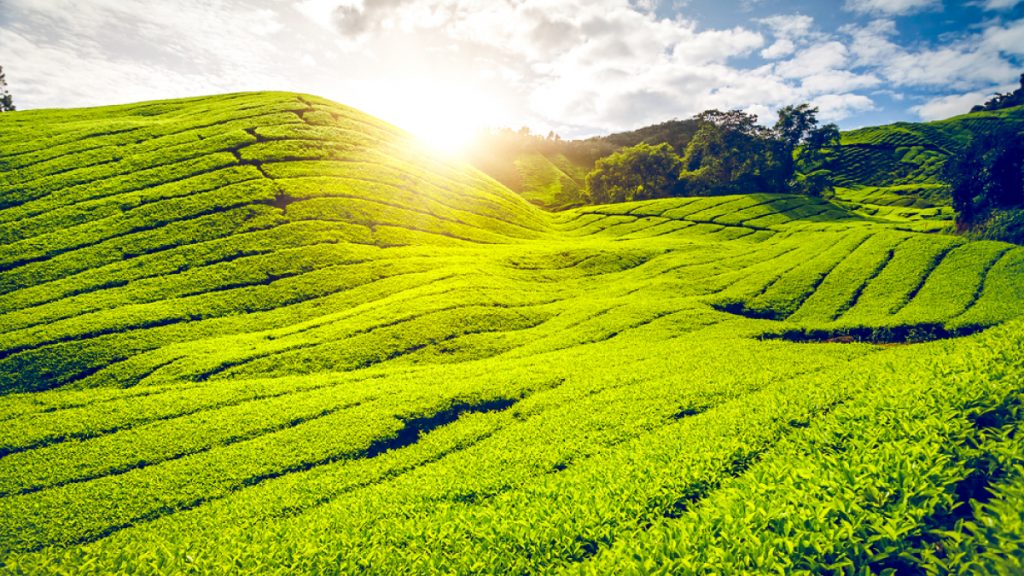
[(796, 124), (265, 333), (723, 153), (551, 172), (641, 172), (732, 154), (987, 180), (1006, 225), (1001, 101), (818, 183), (6, 100)]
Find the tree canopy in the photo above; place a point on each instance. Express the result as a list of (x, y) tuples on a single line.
[(732, 153), (640, 172), (6, 100), (1000, 101), (987, 177), (729, 153), (797, 127)]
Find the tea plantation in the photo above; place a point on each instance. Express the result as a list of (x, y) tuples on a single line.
[(265, 333)]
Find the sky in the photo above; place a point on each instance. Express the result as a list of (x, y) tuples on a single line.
[(443, 68)]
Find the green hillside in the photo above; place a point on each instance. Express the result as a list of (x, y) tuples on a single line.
[(552, 182), (266, 333), (896, 171), (892, 172)]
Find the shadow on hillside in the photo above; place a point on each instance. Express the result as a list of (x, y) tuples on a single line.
[(413, 428), (899, 334)]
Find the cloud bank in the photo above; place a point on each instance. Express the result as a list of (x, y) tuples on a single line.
[(576, 66)]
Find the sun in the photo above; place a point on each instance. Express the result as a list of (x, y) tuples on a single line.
[(447, 122), (445, 119), (447, 133)]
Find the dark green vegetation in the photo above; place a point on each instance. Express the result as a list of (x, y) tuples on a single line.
[(641, 172), (988, 186), (732, 154), (1001, 101), (6, 100), (265, 333)]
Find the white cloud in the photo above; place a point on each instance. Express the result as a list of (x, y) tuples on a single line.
[(81, 75), (66, 52), (871, 44), (951, 105), (838, 81), (780, 48), (941, 107), (891, 7), (589, 65), (789, 25), (597, 65), (965, 64), (790, 31), (999, 4), (1008, 39), (824, 68), (834, 107), (645, 5), (816, 59)]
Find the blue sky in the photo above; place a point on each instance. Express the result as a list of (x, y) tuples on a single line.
[(579, 67), (921, 26)]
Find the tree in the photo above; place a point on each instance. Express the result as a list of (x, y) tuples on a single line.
[(639, 172), (820, 139), (730, 154), (6, 101), (967, 175), (1000, 101), (987, 177), (811, 175), (796, 123), (792, 128), (1007, 173), (806, 145)]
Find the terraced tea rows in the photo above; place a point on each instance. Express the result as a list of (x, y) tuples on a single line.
[(895, 172), (267, 333)]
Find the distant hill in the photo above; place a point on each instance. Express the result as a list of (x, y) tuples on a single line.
[(907, 159), (551, 173), (892, 171)]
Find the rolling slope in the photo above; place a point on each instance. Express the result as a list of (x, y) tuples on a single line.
[(268, 333), (895, 172)]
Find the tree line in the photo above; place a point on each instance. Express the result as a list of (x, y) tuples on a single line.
[(1001, 101), (730, 153)]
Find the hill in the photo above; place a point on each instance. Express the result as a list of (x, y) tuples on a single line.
[(896, 171), (268, 333), (551, 172), (892, 172)]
